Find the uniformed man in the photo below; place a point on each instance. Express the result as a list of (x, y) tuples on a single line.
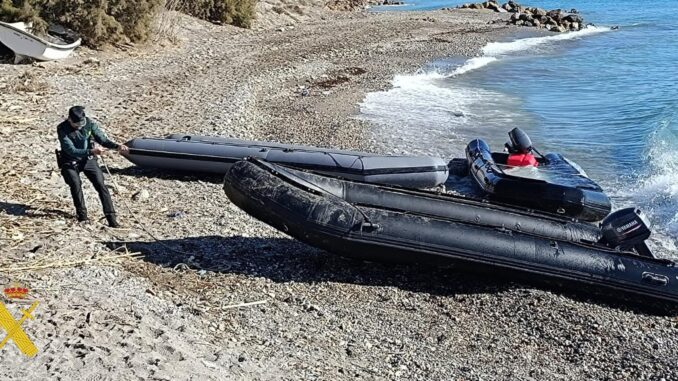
[(78, 136)]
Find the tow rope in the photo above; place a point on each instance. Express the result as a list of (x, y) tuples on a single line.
[(134, 216)]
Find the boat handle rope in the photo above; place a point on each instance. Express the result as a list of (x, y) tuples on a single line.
[(134, 216)]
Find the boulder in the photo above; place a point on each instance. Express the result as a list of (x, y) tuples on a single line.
[(573, 10), (573, 18), (539, 12), (515, 17), (464, 6), (557, 28), (526, 17), (493, 6), (555, 14), (507, 7), (536, 23), (565, 24), (520, 22), (476, 6), (575, 26), (501, 10)]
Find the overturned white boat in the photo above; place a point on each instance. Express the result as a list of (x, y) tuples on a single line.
[(16, 37)]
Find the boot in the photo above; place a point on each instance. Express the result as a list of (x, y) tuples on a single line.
[(82, 218), (112, 221)]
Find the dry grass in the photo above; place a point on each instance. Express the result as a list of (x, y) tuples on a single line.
[(43, 264), (166, 25), (122, 21), (28, 83)]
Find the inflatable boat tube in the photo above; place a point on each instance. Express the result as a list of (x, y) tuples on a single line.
[(217, 156), (452, 207), (557, 187), (327, 220)]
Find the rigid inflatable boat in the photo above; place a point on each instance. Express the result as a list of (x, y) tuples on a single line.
[(216, 155), (552, 183), (377, 222)]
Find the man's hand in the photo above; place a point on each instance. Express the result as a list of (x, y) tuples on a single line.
[(96, 151), (123, 149)]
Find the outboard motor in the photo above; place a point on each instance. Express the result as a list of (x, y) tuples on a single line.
[(627, 229), (520, 142), (520, 150)]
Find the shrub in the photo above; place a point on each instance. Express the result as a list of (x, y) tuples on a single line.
[(104, 21), (113, 21), (96, 21), (21, 10), (237, 12)]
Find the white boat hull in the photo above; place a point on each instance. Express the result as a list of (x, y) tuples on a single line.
[(23, 44)]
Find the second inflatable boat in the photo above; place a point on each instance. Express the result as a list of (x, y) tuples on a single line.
[(216, 155)]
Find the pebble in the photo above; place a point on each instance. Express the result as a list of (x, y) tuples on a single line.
[(491, 329), (141, 195)]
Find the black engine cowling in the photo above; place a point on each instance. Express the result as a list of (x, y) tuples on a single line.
[(627, 229), (520, 142)]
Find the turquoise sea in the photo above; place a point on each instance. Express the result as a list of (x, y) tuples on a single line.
[(608, 99)]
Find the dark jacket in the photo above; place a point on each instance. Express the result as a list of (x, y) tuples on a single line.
[(75, 144)]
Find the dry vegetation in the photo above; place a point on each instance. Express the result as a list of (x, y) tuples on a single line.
[(118, 21), (28, 82), (236, 12)]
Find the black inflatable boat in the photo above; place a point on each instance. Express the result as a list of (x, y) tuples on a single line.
[(216, 155), (553, 184), (385, 223)]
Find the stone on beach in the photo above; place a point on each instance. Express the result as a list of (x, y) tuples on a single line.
[(553, 20), (141, 195)]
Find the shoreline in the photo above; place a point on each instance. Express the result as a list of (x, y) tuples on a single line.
[(325, 317)]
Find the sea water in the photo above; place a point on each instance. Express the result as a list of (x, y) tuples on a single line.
[(605, 97)]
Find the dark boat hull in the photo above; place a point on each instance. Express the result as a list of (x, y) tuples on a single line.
[(327, 221), (585, 201), (218, 154)]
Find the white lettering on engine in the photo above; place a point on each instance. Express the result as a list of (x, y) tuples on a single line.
[(627, 226)]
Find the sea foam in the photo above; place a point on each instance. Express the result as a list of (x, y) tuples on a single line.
[(657, 191), (494, 51)]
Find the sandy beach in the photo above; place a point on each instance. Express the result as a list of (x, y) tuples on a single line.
[(220, 295)]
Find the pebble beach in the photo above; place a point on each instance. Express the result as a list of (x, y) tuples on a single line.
[(193, 288)]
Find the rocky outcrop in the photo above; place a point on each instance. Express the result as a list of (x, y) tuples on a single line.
[(554, 20), (389, 2)]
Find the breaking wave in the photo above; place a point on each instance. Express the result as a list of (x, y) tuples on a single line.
[(494, 51), (657, 192), (472, 64)]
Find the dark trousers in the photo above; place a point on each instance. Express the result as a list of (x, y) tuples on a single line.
[(71, 173)]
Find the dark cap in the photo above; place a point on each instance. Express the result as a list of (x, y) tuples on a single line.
[(76, 115)]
